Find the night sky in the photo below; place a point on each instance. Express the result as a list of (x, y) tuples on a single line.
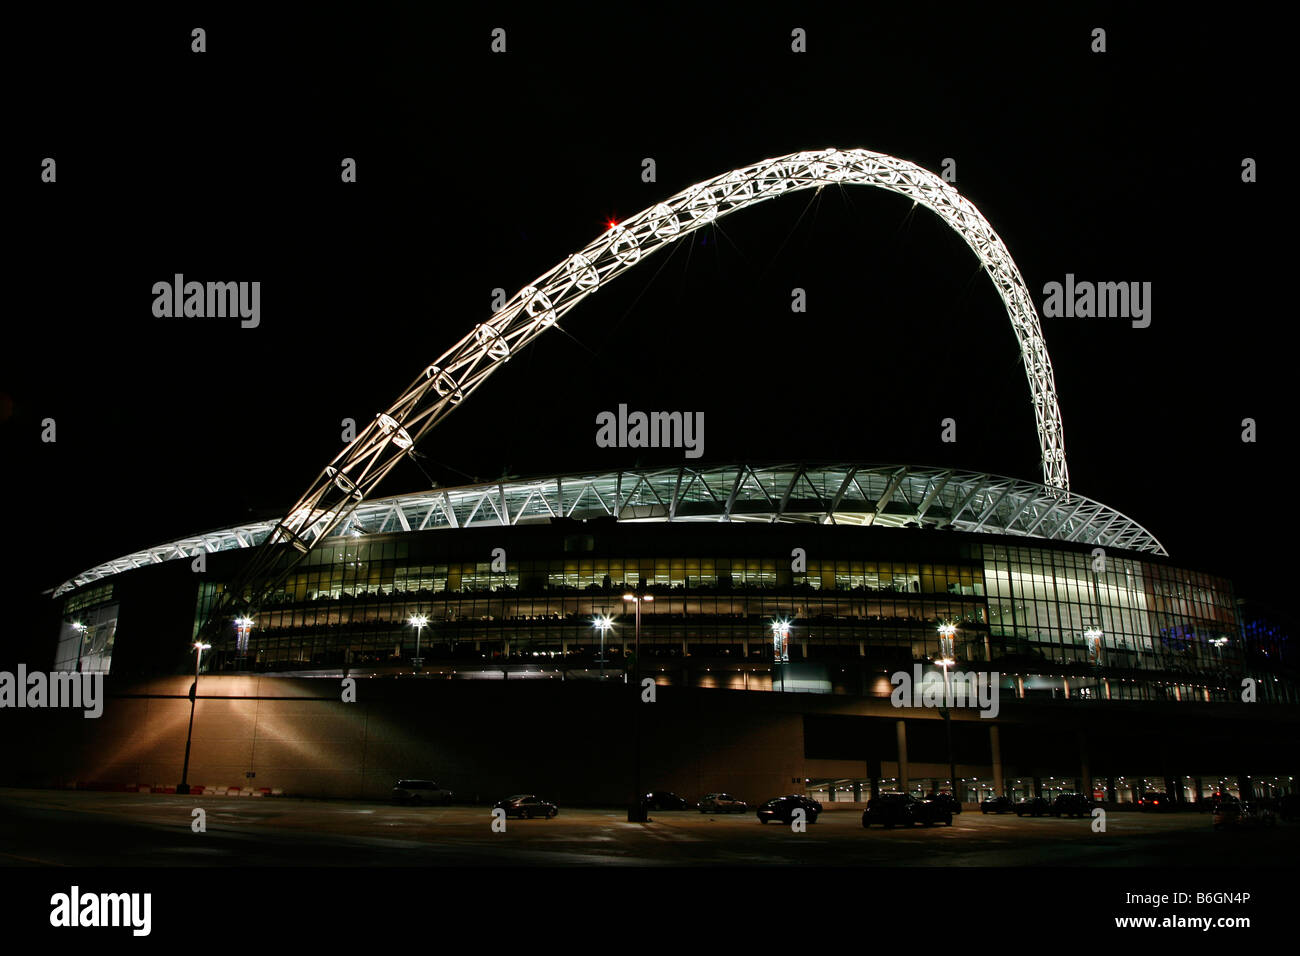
[(478, 171)]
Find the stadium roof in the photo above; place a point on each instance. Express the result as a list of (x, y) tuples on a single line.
[(880, 495)]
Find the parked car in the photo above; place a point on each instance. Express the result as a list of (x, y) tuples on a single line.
[(903, 809), (944, 798), (782, 808), (527, 806), (1072, 805), (1231, 812), (1155, 800), (663, 800), (421, 791), (1288, 806), (722, 803), (997, 805), (1032, 807)]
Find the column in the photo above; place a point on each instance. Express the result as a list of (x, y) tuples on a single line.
[(1085, 783), (900, 728), (995, 746)]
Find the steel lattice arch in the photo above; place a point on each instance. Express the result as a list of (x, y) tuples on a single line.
[(354, 474), (879, 495), (449, 380)]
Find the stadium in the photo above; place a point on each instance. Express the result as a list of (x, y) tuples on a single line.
[(491, 629)]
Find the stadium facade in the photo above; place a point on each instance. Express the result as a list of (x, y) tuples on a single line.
[(1086, 620), (777, 605)]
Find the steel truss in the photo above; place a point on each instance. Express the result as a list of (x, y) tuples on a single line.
[(358, 469), (880, 495)]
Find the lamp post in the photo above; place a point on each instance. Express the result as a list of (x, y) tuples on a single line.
[(419, 622), (781, 646), (948, 657), (199, 648), (636, 811), (1093, 638), (602, 623), (243, 625), (81, 630)]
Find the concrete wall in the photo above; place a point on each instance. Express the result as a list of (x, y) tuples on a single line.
[(570, 741)]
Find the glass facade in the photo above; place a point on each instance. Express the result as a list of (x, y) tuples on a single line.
[(1157, 632), (88, 632)]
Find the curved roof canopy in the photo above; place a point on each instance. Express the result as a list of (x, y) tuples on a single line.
[(881, 495)]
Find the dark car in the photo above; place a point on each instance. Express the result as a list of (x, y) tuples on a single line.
[(1288, 807), (1032, 807), (903, 809), (1072, 805), (1231, 812), (997, 805), (722, 803), (663, 800), (1155, 800), (782, 808), (946, 799), (527, 805)]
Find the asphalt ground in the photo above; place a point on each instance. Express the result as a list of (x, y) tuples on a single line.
[(87, 829)]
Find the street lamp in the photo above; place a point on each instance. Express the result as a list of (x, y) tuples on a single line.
[(780, 646), (781, 639), (1093, 638), (419, 622), (82, 630), (947, 658), (602, 623), (243, 625), (635, 811), (199, 648)]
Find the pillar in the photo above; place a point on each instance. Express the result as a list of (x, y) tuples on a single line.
[(995, 746), (1085, 783), (900, 729)]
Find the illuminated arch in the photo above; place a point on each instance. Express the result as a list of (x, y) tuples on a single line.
[(363, 463)]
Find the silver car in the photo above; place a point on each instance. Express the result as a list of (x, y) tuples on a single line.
[(722, 803), (421, 791)]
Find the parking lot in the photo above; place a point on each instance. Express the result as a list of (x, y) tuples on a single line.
[(94, 829)]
